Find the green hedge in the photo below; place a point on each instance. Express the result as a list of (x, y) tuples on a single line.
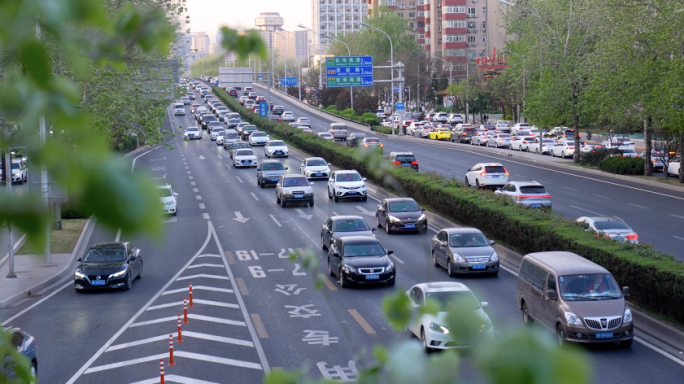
[(655, 279), (382, 129), (623, 165)]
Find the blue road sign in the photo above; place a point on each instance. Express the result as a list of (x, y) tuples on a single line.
[(349, 71), (263, 109), (395, 89), (288, 81), (261, 77), (400, 106)]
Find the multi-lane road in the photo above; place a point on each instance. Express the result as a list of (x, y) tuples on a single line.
[(253, 309), (656, 213)]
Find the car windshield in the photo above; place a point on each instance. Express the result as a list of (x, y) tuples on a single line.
[(165, 192), (403, 206), (350, 225), (258, 134), (245, 152), (324, 135), (348, 177), (494, 169), (364, 249), (249, 128), (600, 286), (232, 136), (105, 255), (449, 299), (404, 158), (295, 182), (468, 240), (276, 144), (316, 163), (272, 167), (532, 189), (181, 106), (608, 225), (303, 120), (505, 136), (192, 129)]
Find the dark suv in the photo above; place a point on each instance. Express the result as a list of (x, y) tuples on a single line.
[(464, 136), (233, 92), (404, 159), (360, 260), (278, 109), (269, 171)]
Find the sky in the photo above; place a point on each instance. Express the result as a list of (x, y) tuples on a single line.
[(209, 15)]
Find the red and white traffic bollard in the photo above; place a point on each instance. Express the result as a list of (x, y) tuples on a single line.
[(185, 311), (180, 336), (161, 371), (171, 363), (191, 306)]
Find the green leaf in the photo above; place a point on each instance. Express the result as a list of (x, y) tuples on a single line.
[(36, 62), (398, 309)]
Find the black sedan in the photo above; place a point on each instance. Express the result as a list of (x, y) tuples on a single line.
[(108, 266), (339, 226), (401, 214), (360, 260)]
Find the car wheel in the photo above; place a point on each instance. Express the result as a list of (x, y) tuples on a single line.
[(330, 272), (335, 198), (329, 195), (626, 343), (277, 199), (560, 335), (342, 283), (526, 315), (423, 341), (128, 282), (34, 369), (434, 259), (282, 203), (393, 281), (477, 184), (450, 271), (536, 151), (377, 222), (324, 247), (140, 271), (553, 154), (311, 203), (387, 228), (467, 183)]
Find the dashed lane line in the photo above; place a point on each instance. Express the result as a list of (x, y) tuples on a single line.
[(326, 280), (195, 190), (677, 216), (397, 259), (677, 237), (254, 196), (239, 179), (205, 216), (229, 256), (202, 206), (259, 326), (198, 197), (586, 210), (638, 206), (362, 322), (276, 221)]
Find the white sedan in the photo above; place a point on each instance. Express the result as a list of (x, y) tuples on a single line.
[(434, 331), (533, 146), (315, 167), (244, 158), (326, 135), (288, 116), (192, 133), (518, 141), (275, 148), (258, 138), (179, 109), (304, 121), (673, 168), (168, 199), (563, 149)]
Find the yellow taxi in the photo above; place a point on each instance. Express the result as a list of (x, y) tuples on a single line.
[(440, 134)]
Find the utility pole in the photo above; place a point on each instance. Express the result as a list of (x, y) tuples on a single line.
[(286, 64), (43, 171), (8, 183), (418, 89), (400, 69), (299, 77)]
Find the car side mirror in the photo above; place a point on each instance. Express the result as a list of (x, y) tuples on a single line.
[(336, 254), (422, 209), (492, 242), (551, 295), (79, 259), (311, 183), (175, 193), (625, 291), (258, 169), (484, 304), (286, 168), (373, 229), (468, 169), (364, 179), (329, 164), (389, 251)]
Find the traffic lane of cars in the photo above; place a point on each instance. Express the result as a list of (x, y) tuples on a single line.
[(417, 269)]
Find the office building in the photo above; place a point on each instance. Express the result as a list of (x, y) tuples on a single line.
[(336, 17)]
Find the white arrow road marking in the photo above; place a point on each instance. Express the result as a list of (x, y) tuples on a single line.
[(199, 287), (365, 211), (158, 169), (303, 215), (175, 379), (202, 275), (173, 319), (238, 217), (202, 157)]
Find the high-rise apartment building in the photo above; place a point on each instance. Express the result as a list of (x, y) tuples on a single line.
[(336, 17), (288, 44), (201, 42), (458, 31)]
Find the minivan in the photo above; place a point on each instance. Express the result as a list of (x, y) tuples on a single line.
[(576, 298)]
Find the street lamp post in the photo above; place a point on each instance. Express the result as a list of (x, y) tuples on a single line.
[(351, 90), (320, 67), (451, 108)]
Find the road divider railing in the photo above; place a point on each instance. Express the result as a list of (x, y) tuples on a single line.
[(655, 279)]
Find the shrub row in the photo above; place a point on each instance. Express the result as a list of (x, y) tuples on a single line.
[(623, 165), (367, 118), (655, 279)]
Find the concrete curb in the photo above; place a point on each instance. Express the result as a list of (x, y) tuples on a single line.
[(78, 249), (136, 151)]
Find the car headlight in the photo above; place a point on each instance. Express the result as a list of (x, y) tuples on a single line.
[(572, 319), (169, 203), (349, 268), (79, 275), (389, 267), (422, 218), (287, 192), (494, 257), (458, 258), (438, 328), (627, 317), (118, 274), (487, 325), (394, 219)]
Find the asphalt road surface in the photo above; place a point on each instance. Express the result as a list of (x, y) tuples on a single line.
[(253, 309)]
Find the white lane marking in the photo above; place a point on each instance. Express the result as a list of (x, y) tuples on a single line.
[(190, 316), (216, 303), (586, 210), (205, 275), (191, 178), (462, 161), (136, 158), (335, 213), (208, 255), (220, 157), (275, 270), (118, 236), (195, 190), (226, 340), (397, 259), (276, 221), (186, 167), (175, 379), (198, 288), (109, 342), (205, 265), (514, 273), (219, 360), (239, 179), (192, 183), (198, 197), (228, 166), (658, 350), (188, 172), (185, 163), (137, 342), (205, 216), (677, 216), (603, 197), (267, 254), (638, 206), (677, 237), (127, 363), (254, 196), (572, 189), (202, 206), (37, 303)]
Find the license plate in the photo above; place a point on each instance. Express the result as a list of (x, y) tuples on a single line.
[(298, 196), (409, 226), (246, 161), (278, 153), (97, 282), (274, 180), (406, 165), (604, 335), (479, 266), (372, 277), (535, 205), (319, 174), (352, 192)]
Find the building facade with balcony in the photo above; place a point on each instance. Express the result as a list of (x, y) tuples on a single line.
[(335, 17)]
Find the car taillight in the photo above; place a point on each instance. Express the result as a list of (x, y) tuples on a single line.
[(365, 145), (506, 171), (525, 197), (414, 162), (524, 142), (483, 173), (545, 196), (381, 145), (633, 237), (396, 162)]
